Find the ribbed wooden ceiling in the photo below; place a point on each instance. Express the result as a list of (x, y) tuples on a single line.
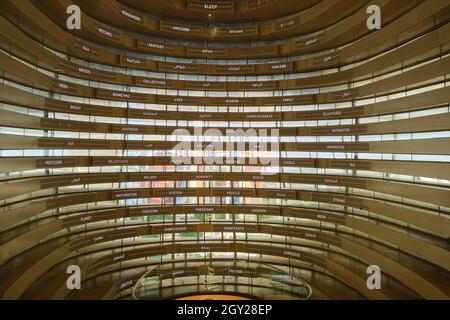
[(360, 120)]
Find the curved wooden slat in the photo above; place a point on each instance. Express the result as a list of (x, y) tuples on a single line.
[(86, 133)]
